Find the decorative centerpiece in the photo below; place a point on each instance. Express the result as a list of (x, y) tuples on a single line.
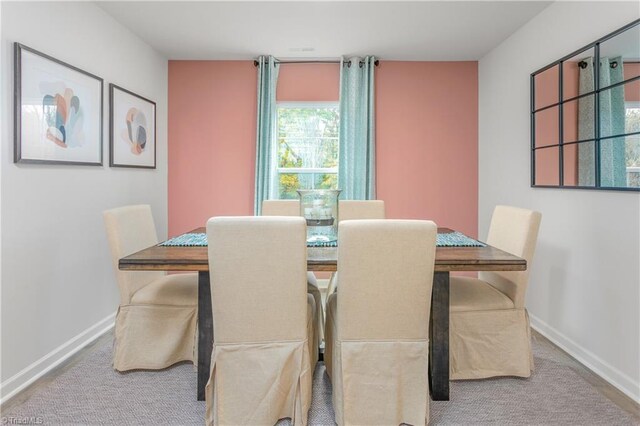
[(320, 209)]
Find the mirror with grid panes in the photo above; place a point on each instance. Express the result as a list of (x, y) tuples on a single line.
[(585, 119)]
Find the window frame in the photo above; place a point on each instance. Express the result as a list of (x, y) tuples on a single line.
[(277, 171)]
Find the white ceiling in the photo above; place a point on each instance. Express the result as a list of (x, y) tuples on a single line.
[(435, 31)]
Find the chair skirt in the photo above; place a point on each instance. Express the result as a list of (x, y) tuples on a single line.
[(377, 382), (313, 290), (154, 336), (260, 383), (491, 343)]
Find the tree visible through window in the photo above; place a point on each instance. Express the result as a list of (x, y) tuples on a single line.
[(632, 146), (307, 147)]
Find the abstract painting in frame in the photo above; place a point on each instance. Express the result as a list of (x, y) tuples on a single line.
[(132, 123), (58, 111)]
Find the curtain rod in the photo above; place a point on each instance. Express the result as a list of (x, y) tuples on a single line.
[(294, 61), (584, 64)]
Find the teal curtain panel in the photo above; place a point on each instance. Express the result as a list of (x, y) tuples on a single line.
[(357, 152), (612, 112), (266, 130)]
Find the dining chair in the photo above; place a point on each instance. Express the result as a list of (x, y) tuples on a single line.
[(292, 208), (281, 208), (360, 209), (347, 209), (489, 325), (377, 330), (261, 367), (356, 210), (157, 317)]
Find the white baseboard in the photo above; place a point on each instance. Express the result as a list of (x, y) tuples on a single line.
[(594, 363), (18, 382)]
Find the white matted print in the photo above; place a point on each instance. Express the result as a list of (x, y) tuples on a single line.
[(58, 111), (132, 120)]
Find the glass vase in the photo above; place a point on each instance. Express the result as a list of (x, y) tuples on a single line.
[(320, 209)]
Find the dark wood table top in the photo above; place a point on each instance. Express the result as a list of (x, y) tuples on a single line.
[(324, 258)]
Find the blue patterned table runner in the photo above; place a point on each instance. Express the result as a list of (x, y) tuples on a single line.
[(449, 239), (457, 239), (187, 240)]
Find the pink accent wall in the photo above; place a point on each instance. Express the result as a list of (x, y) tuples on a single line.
[(632, 90), (212, 130), (427, 141), (306, 82), (547, 127), (426, 131), (547, 166), (546, 88)]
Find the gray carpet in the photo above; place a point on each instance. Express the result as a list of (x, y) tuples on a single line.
[(90, 392)]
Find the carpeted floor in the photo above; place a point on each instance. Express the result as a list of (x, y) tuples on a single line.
[(90, 392)]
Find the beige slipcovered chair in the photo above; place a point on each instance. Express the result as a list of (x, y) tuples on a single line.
[(360, 209), (489, 325), (281, 208), (262, 317), (157, 317), (377, 331), (292, 208), (356, 210)]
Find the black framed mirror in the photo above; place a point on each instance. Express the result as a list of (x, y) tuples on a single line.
[(585, 119)]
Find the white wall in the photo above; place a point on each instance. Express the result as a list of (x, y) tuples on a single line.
[(584, 292), (2, 126), (58, 287)]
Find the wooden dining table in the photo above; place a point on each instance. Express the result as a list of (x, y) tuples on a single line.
[(448, 259)]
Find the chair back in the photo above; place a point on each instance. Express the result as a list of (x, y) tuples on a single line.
[(386, 276), (348, 209), (359, 209), (515, 231), (258, 273), (130, 229), (281, 208)]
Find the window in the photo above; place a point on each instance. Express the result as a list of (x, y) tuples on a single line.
[(632, 145), (307, 147)]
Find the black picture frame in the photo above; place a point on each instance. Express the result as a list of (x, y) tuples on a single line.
[(116, 116), (22, 146)]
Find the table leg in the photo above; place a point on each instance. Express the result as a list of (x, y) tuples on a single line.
[(205, 331), (439, 338)]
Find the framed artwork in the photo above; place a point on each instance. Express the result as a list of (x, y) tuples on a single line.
[(132, 123), (58, 111)]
